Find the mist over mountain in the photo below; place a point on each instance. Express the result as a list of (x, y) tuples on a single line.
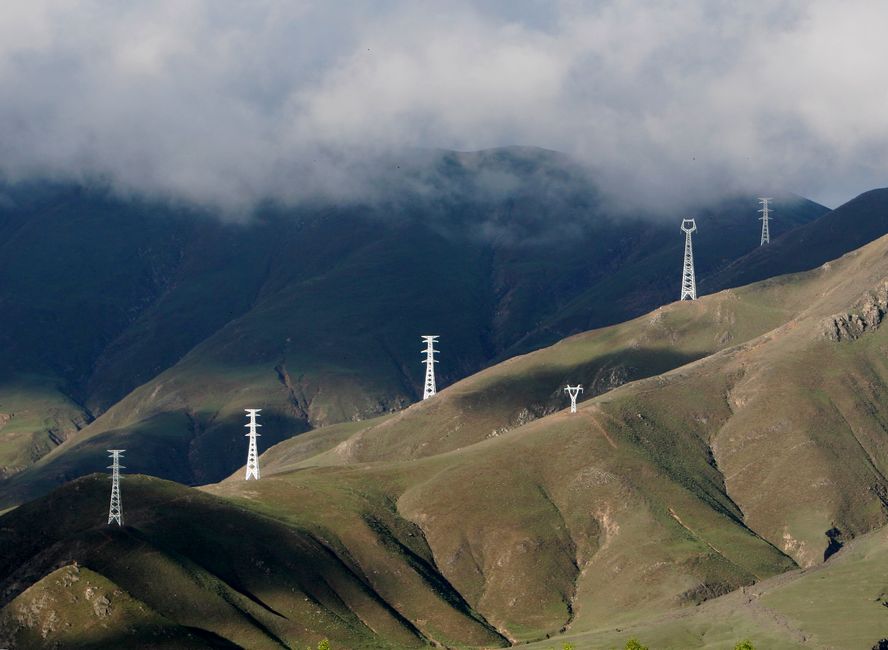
[(228, 105)]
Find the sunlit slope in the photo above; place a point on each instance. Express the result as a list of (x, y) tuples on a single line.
[(35, 417), (794, 420), (530, 526), (836, 605), (774, 446), (522, 389)]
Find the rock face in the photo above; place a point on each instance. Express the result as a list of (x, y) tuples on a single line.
[(866, 317)]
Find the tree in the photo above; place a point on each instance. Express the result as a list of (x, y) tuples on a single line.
[(324, 645), (634, 644), (746, 644)]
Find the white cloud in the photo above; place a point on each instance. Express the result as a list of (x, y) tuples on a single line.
[(227, 102)]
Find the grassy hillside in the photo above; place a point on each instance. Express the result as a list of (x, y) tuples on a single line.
[(733, 443), (74, 607), (134, 320), (782, 434), (238, 575), (525, 388), (36, 417), (839, 604)]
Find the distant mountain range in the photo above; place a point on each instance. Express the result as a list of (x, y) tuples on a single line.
[(150, 326)]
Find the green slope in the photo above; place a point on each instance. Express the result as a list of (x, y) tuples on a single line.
[(208, 564), (73, 607), (839, 604), (35, 417), (782, 436), (525, 388)]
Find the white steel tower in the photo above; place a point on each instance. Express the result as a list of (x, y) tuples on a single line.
[(115, 511), (573, 391), (765, 218), (429, 361), (688, 282), (252, 455)]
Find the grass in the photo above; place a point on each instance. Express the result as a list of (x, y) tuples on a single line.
[(834, 605), (210, 565), (75, 607), (35, 417)]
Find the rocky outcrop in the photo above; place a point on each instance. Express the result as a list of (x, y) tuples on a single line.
[(866, 316)]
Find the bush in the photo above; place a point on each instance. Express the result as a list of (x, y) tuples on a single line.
[(324, 645), (634, 644), (744, 645)]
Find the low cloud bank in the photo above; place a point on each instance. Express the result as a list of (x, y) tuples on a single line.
[(226, 103)]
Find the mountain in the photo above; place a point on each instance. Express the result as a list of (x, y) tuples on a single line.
[(846, 228), (730, 451), (132, 323), (847, 610)]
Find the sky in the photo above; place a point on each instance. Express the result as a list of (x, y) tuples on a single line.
[(227, 103)]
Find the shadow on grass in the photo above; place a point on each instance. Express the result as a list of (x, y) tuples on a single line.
[(541, 391), (166, 445)]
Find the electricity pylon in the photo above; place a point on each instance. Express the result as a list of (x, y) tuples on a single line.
[(252, 455), (430, 361), (115, 511), (688, 282), (573, 391), (765, 218)]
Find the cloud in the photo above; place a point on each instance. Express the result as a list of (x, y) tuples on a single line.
[(229, 102)]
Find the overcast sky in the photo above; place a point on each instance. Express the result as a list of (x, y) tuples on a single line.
[(228, 102)]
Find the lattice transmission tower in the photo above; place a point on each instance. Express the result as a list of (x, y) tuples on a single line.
[(573, 391), (429, 361), (252, 454), (688, 282), (115, 510), (765, 218)]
